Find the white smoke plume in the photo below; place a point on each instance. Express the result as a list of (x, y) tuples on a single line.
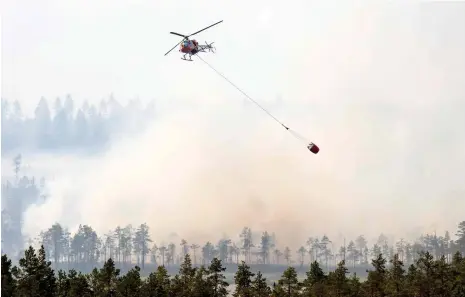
[(383, 97)]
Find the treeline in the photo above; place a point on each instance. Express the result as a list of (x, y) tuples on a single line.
[(127, 245), (426, 277), (63, 126), (17, 195)]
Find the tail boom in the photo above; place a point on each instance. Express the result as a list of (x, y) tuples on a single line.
[(206, 46)]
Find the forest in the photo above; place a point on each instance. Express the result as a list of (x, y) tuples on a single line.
[(129, 252), (63, 126), (127, 245), (426, 276), (55, 126), (127, 261)]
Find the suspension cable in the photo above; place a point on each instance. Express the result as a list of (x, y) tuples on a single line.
[(244, 93), (294, 133)]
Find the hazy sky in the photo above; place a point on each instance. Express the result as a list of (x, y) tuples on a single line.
[(379, 87), (92, 48)]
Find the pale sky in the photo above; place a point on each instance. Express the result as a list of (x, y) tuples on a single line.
[(380, 87), (92, 48)]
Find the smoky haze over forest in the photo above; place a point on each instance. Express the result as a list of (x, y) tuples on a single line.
[(385, 105)]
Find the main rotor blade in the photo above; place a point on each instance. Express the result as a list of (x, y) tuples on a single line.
[(174, 46), (206, 28), (178, 34)]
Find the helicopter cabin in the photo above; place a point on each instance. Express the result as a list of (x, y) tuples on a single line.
[(189, 46)]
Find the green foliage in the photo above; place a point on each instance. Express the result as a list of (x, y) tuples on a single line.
[(157, 284), (338, 282), (130, 284), (216, 278), (34, 275), (243, 281), (355, 286), (458, 275), (104, 281), (259, 286), (73, 284), (428, 276), (315, 283), (396, 278), (183, 284), (8, 282), (201, 286), (289, 284), (376, 280), (248, 287)]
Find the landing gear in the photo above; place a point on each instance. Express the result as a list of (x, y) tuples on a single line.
[(184, 58)]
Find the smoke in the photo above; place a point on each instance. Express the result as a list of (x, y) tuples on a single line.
[(383, 100)]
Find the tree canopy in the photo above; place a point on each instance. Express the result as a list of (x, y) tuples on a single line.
[(34, 276)]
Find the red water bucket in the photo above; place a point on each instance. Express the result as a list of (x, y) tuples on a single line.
[(313, 148)]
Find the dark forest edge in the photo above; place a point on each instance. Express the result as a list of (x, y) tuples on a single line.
[(34, 276)]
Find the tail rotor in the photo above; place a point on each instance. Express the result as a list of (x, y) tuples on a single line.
[(210, 47)]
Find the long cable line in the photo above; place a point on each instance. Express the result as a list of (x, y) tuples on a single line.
[(294, 133)]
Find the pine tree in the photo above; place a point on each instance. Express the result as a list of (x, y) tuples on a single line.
[(376, 280), (183, 284), (461, 237), (201, 285), (141, 242), (355, 287), (412, 280), (105, 280), (314, 284), (157, 284), (8, 282), (425, 265), (458, 272), (443, 277), (243, 281), (289, 283), (216, 279), (63, 284), (78, 285), (35, 276), (396, 277), (130, 284), (338, 280), (259, 286)]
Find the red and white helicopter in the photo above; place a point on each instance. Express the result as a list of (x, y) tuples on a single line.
[(191, 46)]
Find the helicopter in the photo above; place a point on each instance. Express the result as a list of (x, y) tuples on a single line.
[(190, 47)]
